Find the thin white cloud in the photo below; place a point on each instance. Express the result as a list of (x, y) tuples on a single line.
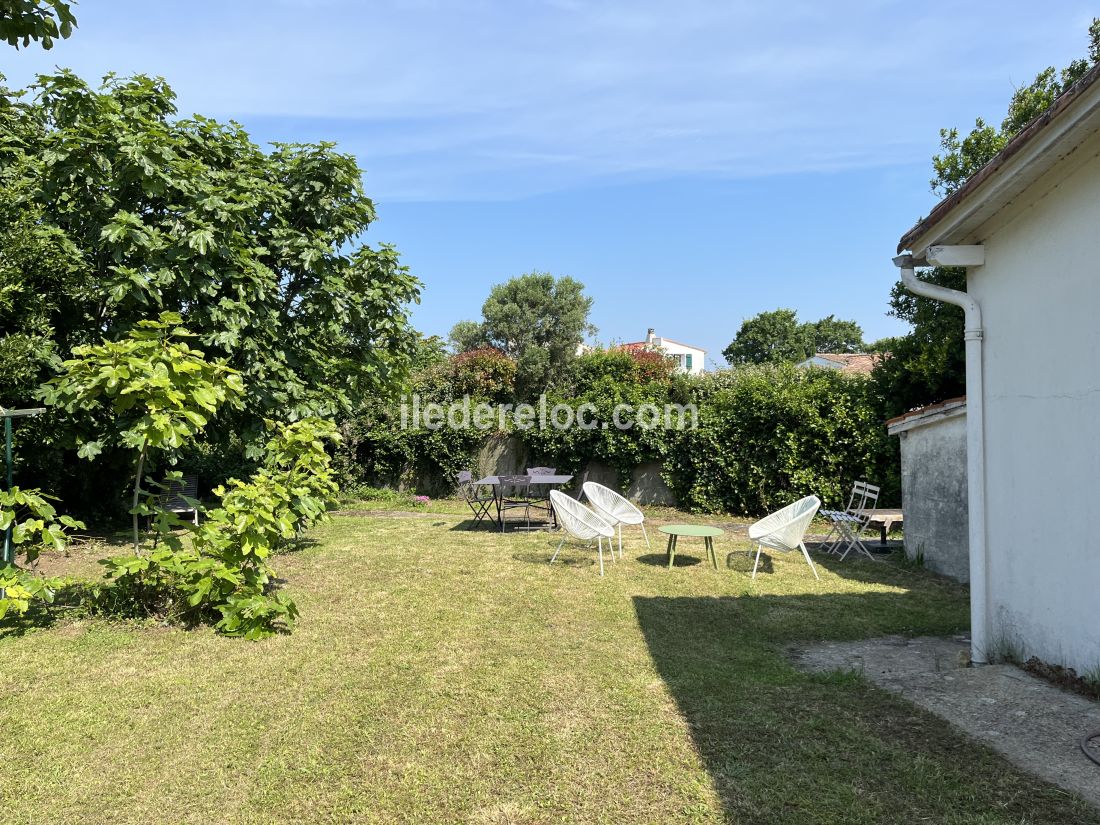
[(503, 99)]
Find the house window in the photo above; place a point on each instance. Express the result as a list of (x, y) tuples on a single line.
[(687, 362)]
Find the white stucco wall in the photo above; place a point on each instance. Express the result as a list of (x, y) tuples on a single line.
[(676, 349), (1040, 297)]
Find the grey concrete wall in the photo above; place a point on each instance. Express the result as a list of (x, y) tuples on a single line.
[(502, 455), (508, 455), (933, 489), (646, 485)]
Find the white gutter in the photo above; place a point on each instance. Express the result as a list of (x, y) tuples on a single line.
[(975, 423)]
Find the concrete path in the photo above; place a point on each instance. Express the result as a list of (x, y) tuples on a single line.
[(1036, 725)]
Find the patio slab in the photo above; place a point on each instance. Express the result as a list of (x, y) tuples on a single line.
[(1034, 724)]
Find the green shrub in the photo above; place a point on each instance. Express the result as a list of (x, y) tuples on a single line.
[(218, 572), (770, 434), (35, 527), (765, 436)]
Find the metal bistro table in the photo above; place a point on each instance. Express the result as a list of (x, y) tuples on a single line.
[(674, 531), (494, 482)]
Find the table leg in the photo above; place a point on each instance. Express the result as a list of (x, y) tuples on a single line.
[(710, 551), (882, 535), (671, 550)]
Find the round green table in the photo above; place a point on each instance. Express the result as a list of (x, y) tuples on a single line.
[(707, 534)]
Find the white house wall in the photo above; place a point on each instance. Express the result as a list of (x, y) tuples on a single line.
[(1040, 297)]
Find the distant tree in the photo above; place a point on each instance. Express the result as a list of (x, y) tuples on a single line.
[(37, 20), (832, 334), (537, 320), (467, 335), (883, 345), (771, 337)]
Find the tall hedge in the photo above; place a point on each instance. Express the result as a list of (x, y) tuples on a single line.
[(769, 435), (766, 435)]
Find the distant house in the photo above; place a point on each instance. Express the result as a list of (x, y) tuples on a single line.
[(1025, 229), (851, 363), (689, 359)]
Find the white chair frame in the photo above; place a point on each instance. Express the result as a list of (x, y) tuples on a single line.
[(786, 530), (615, 508), (581, 523)]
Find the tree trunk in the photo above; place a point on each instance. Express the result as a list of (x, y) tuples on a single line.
[(137, 493)]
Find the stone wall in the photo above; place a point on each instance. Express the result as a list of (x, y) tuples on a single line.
[(933, 488), (508, 455)]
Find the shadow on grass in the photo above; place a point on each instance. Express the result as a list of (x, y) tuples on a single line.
[(570, 559), (741, 561), (661, 560), (783, 746), (39, 616)]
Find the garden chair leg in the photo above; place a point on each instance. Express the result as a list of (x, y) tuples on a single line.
[(646, 535), (809, 561), (560, 543), (599, 542), (620, 539), (759, 547)]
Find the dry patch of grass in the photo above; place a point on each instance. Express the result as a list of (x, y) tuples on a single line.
[(447, 675)]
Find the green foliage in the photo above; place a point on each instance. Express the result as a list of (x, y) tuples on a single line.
[(113, 209), (20, 588), (36, 527), (778, 337), (483, 373), (156, 391), (537, 320), (221, 575), (35, 524), (962, 157), (150, 390), (771, 434), (37, 20), (770, 337), (831, 334), (928, 364)]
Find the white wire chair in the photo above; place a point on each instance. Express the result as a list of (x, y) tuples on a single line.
[(786, 530), (848, 524), (581, 523), (614, 508)]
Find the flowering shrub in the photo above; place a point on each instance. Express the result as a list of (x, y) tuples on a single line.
[(483, 373), (421, 501)]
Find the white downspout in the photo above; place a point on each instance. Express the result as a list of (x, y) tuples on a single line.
[(975, 427)]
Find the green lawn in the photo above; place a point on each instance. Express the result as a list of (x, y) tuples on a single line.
[(444, 675)]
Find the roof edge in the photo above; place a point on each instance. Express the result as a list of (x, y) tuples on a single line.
[(926, 415), (1011, 149)]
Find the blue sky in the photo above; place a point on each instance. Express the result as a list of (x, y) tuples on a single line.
[(692, 163)]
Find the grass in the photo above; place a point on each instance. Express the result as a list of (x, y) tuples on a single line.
[(445, 675)]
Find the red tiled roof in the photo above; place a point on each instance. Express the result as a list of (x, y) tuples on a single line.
[(852, 363)]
